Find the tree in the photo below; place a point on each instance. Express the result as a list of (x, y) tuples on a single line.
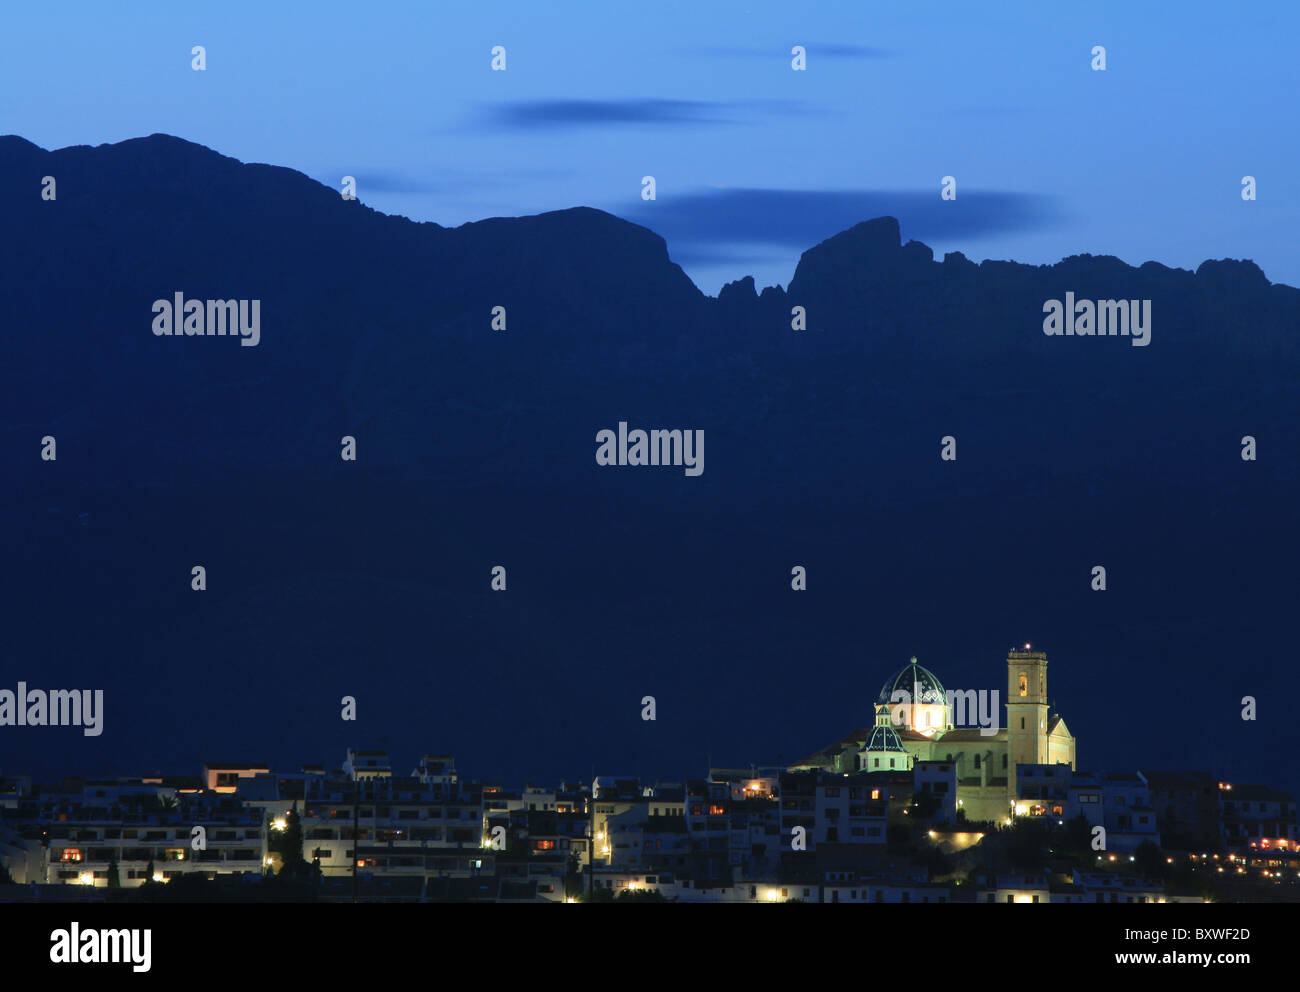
[(927, 804), (641, 895), (1151, 860), (114, 878), (288, 844), (937, 861), (1026, 844), (1183, 874), (5, 877), (1079, 833), (573, 882), (187, 887)]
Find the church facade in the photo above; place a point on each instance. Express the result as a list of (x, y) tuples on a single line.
[(914, 722)]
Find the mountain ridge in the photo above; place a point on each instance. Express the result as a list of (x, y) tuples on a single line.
[(879, 238)]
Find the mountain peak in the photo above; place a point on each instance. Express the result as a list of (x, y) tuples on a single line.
[(11, 143), (879, 236), (1232, 272), (866, 252)]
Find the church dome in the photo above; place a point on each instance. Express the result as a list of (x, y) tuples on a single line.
[(921, 685), (884, 739)]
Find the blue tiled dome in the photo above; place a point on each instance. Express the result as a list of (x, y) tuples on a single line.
[(884, 739), (921, 685)]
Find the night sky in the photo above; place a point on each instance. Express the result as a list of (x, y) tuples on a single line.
[(1142, 161)]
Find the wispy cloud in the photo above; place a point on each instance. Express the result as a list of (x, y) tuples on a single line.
[(799, 219), (433, 180), (730, 255), (544, 114), (396, 181)]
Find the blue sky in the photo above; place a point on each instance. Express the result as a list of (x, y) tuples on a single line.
[(753, 162)]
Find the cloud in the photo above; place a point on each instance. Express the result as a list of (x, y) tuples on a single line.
[(434, 180), (725, 254), (798, 219), (395, 181), (542, 114)]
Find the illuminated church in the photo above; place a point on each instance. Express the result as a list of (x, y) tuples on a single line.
[(914, 722)]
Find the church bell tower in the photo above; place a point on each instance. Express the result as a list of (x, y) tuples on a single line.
[(1026, 711)]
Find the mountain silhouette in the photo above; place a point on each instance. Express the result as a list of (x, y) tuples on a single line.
[(477, 448)]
